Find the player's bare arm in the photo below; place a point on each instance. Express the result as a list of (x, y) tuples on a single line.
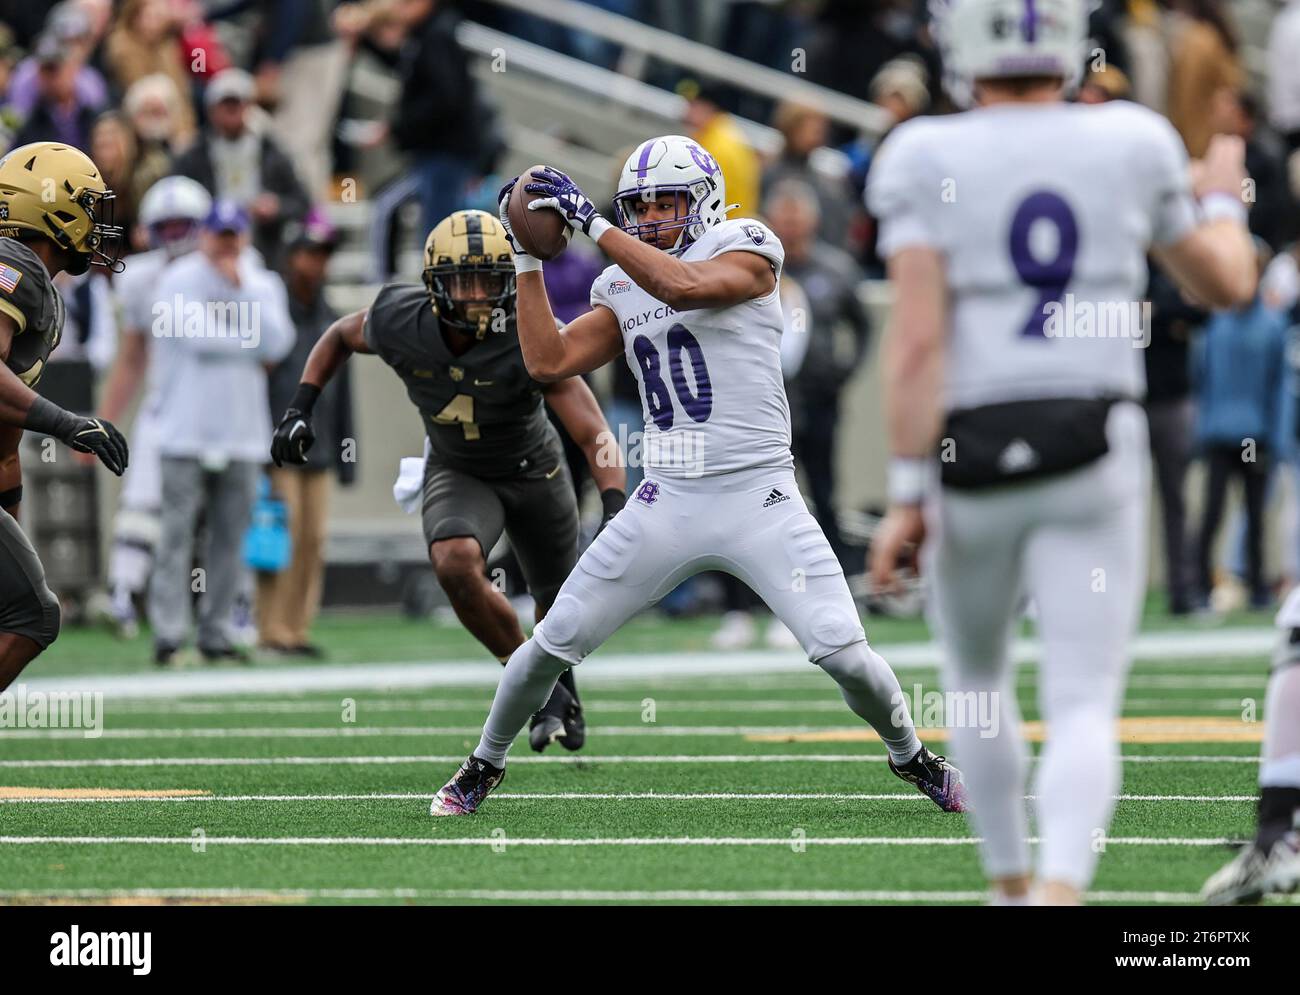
[(728, 279), (576, 407), (294, 435), (584, 344), (1215, 262), (126, 376), (912, 358)]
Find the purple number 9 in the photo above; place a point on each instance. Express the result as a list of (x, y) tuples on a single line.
[(1049, 277)]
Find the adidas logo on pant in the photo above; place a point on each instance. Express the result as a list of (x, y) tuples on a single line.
[(776, 497)]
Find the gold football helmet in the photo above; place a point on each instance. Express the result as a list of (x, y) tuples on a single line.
[(469, 271), (56, 191)]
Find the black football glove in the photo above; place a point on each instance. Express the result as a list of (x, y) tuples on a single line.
[(611, 503), (293, 437), (80, 432)]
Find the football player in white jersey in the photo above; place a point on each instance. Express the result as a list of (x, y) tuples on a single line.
[(1270, 864), (692, 303), (171, 212), (1016, 235)]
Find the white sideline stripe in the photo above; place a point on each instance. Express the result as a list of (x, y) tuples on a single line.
[(592, 895), (612, 668), (721, 758), (604, 705), (580, 796), (547, 841), (349, 732)]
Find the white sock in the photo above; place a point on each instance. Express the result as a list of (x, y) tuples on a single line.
[(1078, 775), (994, 768), (1280, 766), (526, 683), (871, 689)]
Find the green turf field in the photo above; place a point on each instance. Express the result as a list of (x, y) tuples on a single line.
[(706, 778)]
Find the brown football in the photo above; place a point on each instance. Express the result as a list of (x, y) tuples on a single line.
[(542, 234)]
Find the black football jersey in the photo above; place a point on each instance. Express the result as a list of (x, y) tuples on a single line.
[(481, 410), (27, 295)]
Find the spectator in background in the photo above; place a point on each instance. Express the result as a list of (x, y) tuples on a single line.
[(10, 54), (144, 42), (1100, 86), (1273, 213), (1284, 76), (1203, 62), (436, 118), (112, 146), (805, 129), (1148, 65), (1169, 417), (1238, 374), (59, 113), (71, 34), (901, 88), (218, 424), (235, 163), (838, 332), (287, 602), (150, 107), (301, 76), (719, 134)]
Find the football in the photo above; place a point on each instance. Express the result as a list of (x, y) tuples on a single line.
[(542, 234)]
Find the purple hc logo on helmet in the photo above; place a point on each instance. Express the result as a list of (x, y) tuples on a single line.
[(704, 160), (648, 492)]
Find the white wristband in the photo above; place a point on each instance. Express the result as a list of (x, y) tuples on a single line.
[(1218, 205), (907, 479), (598, 227), (525, 263)]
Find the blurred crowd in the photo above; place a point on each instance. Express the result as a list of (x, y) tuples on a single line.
[(253, 100)]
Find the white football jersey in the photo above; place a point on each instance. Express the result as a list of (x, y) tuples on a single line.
[(136, 290), (711, 387), (1043, 215)]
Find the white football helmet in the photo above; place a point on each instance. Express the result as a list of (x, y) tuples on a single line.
[(672, 164), (997, 39), (174, 198)]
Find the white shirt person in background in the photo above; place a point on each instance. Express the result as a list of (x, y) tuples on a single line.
[(220, 320)]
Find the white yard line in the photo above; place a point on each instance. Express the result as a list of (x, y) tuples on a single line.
[(581, 759), (503, 840), (739, 796), (607, 668)]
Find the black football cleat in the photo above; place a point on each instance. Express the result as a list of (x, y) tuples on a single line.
[(934, 777), (463, 794), (575, 725), (547, 724)]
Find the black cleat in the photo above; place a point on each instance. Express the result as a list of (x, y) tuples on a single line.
[(547, 725), (575, 725)]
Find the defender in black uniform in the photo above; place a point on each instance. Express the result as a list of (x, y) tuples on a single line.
[(495, 460), (51, 201)]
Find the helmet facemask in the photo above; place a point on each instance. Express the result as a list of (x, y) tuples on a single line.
[(104, 242), (470, 296), (688, 225)]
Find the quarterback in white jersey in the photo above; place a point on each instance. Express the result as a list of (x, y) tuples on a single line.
[(171, 212), (1016, 235), (692, 303)]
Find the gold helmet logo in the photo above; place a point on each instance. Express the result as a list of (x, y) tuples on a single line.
[(469, 271), (56, 191)]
